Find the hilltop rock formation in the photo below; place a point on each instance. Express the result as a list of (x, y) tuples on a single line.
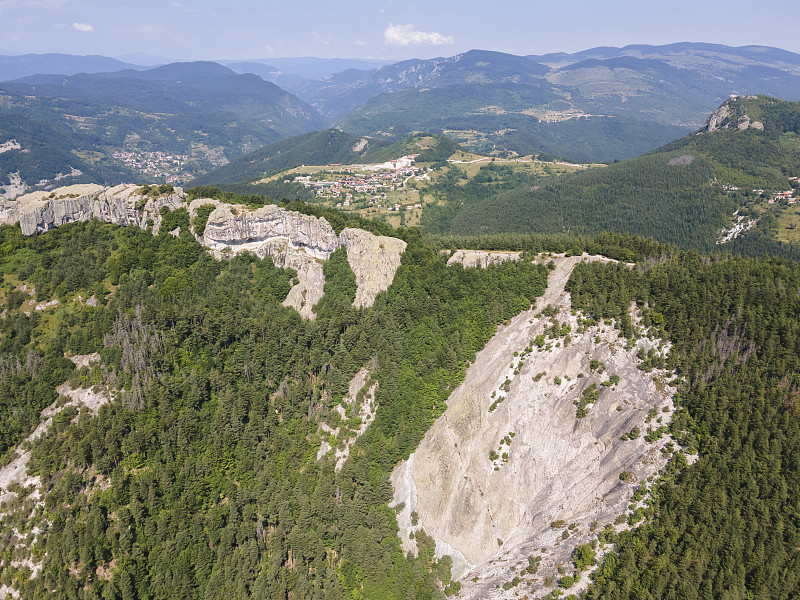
[(510, 464), (291, 239), (250, 230), (481, 258), (732, 113), (374, 261), (38, 212)]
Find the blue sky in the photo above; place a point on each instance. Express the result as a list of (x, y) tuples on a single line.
[(388, 29)]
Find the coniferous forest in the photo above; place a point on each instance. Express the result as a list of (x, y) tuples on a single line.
[(201, 479)]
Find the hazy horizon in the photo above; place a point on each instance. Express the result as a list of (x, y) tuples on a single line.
[(390, 31)]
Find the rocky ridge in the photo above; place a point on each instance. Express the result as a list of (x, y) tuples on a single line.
[(38, 212), (512, 468), (482, 258), (732, 113), (291, 239)]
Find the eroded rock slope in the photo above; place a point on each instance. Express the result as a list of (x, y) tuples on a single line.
[(511, 456)]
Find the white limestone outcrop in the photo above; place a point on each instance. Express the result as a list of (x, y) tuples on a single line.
[(509, 456), (38, 212), (374, 260), (482, 258), (291, 239)]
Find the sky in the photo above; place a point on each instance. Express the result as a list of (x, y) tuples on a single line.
[(385, 29)]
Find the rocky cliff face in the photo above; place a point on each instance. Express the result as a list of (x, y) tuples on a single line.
[(733, 113), (510, 456), (374, 261), (41, 211), (291, 239), (482, 258)]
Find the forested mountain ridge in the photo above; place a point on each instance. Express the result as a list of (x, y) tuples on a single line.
[(301, 242), (647, 92), (689, 192), (166, 124), (201, 477), (685, 80), (338, 95)]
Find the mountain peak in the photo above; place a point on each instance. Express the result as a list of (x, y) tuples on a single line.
[(734, 113)]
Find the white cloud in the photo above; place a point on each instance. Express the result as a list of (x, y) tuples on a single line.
[(406, 35), (361, 43), (320, 39), (85, 27)]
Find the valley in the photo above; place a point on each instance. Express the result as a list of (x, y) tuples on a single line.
[(397, 191)]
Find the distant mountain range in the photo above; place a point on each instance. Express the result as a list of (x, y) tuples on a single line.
[(24, 65), (507, 99), (601, 104), (165, 123)]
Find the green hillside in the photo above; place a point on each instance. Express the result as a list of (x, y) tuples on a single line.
[(330, 146), (179, 120), (683, 193), (315, 148), (200, 480), (406, 111), (497, 117), (48, 149)]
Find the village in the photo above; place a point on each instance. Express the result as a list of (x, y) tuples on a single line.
[(156, 164), (787, 196), (370, 185)]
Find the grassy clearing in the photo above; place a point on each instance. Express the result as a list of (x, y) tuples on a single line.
[(789, 224)]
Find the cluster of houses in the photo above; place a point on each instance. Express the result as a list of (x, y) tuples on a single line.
[(157, 164), (399, 207), (388, 176), (787, 196)]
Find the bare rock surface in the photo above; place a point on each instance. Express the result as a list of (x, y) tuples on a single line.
[(365, 411), (291, 239), (248, 230), (731, 114), (15, 473), (38, 212), (482, 258), (84, 360), (492, 475), (374, 260)]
